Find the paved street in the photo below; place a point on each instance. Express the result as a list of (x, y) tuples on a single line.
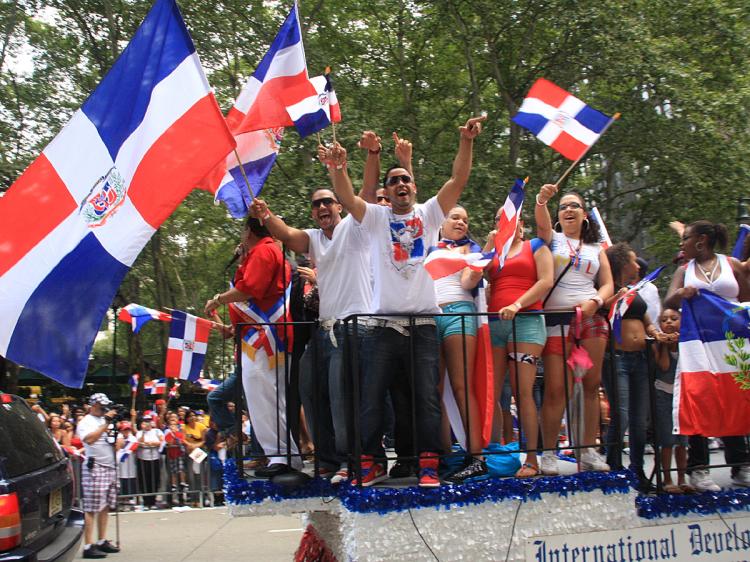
[(199, 535)]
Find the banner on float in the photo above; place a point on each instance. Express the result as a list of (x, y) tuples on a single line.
[(717, 540)]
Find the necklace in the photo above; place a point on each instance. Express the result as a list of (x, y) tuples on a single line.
[(575, 255), (709, 275)]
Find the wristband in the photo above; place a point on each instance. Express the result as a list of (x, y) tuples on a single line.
[(380, 148), (538, 203), (598, 300), (217, 297), (518, 306), (266, 216)]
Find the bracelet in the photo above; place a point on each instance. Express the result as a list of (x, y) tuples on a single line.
[(266, 216), (217, 298), (538, 203), (598, 300), (380, 148), (336, 166), (518, 306)]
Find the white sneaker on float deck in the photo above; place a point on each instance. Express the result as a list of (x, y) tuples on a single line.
[(701, 481), (593, 461), (548, 465)]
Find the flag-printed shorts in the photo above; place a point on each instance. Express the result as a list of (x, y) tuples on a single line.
[(594, 327), (176, 464), (99, 485)]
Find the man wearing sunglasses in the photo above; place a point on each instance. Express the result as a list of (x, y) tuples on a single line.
[(400, 237), (340, 250)]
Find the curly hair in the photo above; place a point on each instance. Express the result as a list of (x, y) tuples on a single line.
[(590, 232), (618, 256), (716, 234)]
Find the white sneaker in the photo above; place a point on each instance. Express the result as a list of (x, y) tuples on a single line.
[(548, 465), (742, 478), (701, 481), (648, 449), (341, 475), (593, 461)]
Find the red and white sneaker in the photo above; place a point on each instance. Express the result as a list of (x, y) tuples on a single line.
[(372, 472), (341, 475), (428, 470)]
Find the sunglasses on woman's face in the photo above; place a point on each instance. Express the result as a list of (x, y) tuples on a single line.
[(393, 180), (327, 201), (572, 205)]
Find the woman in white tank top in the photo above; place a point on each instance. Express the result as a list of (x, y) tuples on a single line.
[(725, 276)]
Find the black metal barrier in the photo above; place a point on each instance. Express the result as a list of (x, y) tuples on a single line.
[(352, 362)]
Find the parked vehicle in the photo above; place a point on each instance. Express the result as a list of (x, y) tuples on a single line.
[(37, 490)]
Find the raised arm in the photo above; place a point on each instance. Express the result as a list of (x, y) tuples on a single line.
[(371, 178), (335, 160), (451, 191), (403, 153), (541, 212), (295, 239)]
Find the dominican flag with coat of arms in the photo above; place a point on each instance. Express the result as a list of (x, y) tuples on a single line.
[(712, 386), (560, 120), (75, 221), (186, 350)]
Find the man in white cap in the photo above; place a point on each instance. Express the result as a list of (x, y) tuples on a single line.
[(99, 476)]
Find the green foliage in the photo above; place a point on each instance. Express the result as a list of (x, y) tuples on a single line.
[(676, 72), (739, 358)]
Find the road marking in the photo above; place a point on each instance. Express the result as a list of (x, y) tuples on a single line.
[(284, 530)]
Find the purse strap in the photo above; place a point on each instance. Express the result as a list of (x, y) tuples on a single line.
[(557, 281)]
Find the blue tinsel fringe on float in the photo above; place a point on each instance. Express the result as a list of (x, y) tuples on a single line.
[(707, 503), (384, 500)]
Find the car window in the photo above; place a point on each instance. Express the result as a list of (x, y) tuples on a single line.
[(25, 443)]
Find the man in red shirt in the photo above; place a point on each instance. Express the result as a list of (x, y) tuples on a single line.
[(258, 292)]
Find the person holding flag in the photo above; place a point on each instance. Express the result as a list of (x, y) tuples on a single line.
[(259, 292), (726, 277), (400, 236), (519, 286), (583, 279)]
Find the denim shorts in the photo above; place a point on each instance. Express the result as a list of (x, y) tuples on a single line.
[(663, 426), (452, 325), (529, 329)]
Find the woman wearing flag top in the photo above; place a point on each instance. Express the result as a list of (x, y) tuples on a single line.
[(582, 279), (726, 277)]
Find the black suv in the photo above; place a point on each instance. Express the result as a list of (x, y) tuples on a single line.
[(37, 490)]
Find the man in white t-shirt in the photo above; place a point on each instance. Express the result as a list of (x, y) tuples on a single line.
[(340, 250), (98, 475), (400, 236)]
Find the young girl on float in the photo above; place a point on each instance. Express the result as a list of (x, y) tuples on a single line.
[(666, 365)]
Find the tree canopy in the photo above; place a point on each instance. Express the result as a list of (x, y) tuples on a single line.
[(675, 70)]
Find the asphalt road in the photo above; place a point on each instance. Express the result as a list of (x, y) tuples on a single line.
[(201, 535)]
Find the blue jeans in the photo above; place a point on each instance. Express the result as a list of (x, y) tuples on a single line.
[(631, 370), (326, 390), (387, 364)]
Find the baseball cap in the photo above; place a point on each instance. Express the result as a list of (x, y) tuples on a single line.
[(124, 425), (160, 401), (99, 398)]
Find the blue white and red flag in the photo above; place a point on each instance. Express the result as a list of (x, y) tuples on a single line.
[(741, 236), (139, 315), (130, 447), (508, 221), (258, 117), (75, 221), (604, 238), (620, 306), (155, 386), (712, 386), (208, 384), (443, 263), (560, 120), (134, 382), (318, 110), (265, 335), (186, 350)]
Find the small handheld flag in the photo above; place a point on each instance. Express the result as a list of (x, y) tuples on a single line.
[(139, 315), (186, 351), (134, 383), (621, 305), (155, 386), (508, 221), (560, 120), (318, 110)]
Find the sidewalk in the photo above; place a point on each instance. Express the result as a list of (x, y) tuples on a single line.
[(199, 535)]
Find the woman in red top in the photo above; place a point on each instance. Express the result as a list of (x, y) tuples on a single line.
[(519, 286)]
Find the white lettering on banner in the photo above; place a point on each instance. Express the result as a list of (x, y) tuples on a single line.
[(709, 539)]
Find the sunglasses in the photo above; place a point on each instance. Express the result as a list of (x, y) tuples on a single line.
[(573, 206), (327, 201), (382, 198), (394, 180)]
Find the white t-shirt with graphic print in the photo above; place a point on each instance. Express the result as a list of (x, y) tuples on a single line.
[(399, 245)]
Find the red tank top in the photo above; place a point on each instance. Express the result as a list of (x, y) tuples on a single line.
[(516, 277)]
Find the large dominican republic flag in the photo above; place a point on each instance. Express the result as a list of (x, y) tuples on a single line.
[(560, 120), (258, 117), (74, 222), (712, 387), (188, 341)]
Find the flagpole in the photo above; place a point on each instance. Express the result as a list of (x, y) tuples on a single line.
[(244, 176), (614, 118)]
